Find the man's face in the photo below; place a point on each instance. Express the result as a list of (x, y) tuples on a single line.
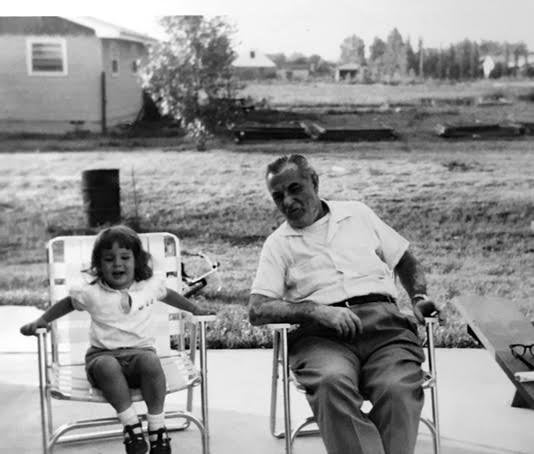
[(295, 196)]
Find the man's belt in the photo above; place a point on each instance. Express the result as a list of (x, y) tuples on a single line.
[(362, 299)]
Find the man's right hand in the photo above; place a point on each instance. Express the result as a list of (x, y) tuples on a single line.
[(29, 329), (341, 319)]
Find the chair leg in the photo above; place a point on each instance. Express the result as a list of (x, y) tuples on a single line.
[(280, 361), (434, 388), (204, 388), (274, 384), (44, 394), (435, 419), (192, 356), (285, 391)]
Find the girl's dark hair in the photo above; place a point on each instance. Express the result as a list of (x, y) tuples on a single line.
[(126, 238)]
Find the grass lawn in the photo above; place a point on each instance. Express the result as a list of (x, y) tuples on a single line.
[(466, 206), (281, 93)]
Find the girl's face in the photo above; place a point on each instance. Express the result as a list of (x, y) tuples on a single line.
[(118, 267)]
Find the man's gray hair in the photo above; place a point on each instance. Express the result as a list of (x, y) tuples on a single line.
[(300, 161)]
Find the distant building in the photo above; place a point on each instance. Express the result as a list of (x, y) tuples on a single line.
[(514, 66), (253, 64), (60, 74), (488, 65), (294, 71), (348, 71)]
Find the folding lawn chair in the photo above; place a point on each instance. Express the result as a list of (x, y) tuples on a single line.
[(282, 371), (61, 354)]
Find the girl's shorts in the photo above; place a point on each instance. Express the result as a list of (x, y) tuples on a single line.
[(127, 358)]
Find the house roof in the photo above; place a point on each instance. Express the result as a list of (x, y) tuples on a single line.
[(253, 59), (63, 25), (107, 30)]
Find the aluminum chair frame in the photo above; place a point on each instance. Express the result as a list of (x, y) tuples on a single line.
[(281, 368), (47, 356)]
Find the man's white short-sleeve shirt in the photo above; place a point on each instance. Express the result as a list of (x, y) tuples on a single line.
[(349, 252)]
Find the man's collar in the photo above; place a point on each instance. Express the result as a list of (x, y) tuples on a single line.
[(337, 211)]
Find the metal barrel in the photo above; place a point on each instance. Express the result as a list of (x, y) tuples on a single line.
[(101, 196)]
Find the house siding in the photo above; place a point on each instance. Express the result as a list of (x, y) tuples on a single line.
[(49, 103), (256, 72), (65, 103)]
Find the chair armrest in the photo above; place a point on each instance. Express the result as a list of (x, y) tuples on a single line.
[(279, 326), (203, 318)]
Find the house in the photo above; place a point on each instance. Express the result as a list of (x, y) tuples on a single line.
[(488, 65), (515, 65), (60, 74), (348, 71), (294, 71), (253, 64)]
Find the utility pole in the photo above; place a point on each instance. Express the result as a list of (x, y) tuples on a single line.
[(421, 58)]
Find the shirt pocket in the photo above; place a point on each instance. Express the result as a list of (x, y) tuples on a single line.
[(361, 261), (307, 276)]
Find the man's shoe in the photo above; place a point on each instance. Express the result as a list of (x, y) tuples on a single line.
[(162, 444), (134, 442)]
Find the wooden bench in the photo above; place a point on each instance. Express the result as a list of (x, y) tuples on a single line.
[(496, 323)]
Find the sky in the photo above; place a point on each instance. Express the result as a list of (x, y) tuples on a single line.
[(315, 26)]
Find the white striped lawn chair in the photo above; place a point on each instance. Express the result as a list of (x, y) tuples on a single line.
[(281, 372), (61, 354)]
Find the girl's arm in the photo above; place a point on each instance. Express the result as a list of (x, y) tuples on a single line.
[(61, 308), (178, 301)]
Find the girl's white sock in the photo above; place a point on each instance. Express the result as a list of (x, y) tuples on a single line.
[(129, 417), (155, 422)]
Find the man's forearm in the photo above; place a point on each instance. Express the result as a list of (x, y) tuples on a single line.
[(264, 310), (411, 275)]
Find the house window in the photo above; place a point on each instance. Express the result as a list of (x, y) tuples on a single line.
[(114, 67), (46, 56), (135, 66), (114, 54)]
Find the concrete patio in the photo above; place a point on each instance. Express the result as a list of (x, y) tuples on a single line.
[(474, 397)]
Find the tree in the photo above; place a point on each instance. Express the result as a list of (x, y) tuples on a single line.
[(474, 57), (279, 59), (464, 49), (352, 50), (411, 58), (298, 58), (377, 49), (420, 58), (190, 75), (395, 58), (376, 58), (453, 70), (318, 65), (440, 66)]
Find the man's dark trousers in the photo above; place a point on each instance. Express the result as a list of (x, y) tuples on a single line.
[(382, 365)]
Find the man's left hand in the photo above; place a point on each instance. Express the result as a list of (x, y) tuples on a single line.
[(425, 308)]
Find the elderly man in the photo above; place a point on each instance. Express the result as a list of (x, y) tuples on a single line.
[(330, 268)]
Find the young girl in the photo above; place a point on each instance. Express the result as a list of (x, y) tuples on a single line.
[(122, 354)]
